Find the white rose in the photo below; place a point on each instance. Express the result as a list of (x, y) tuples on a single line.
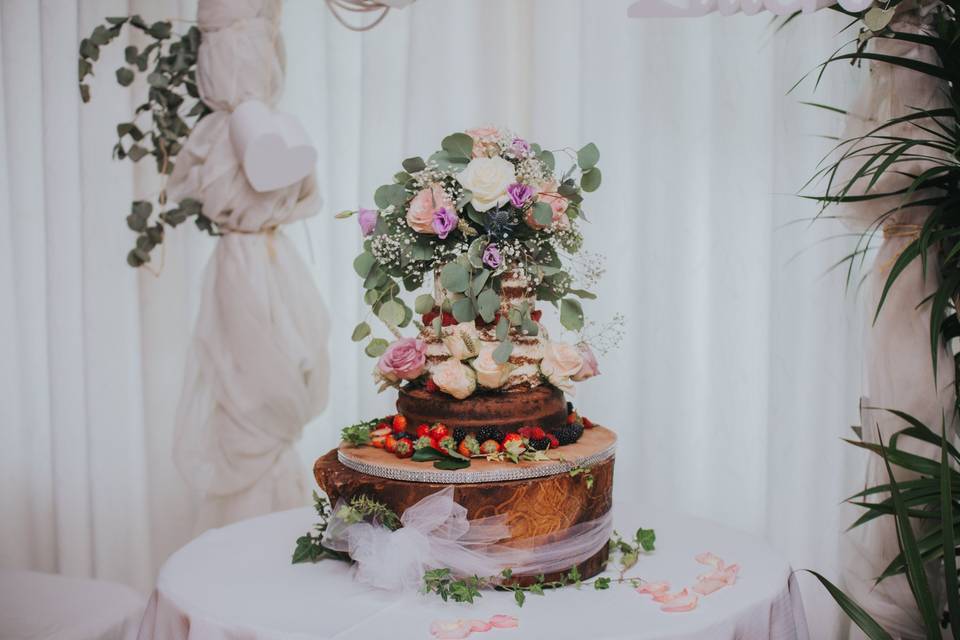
[(462, 340), (488, 179), (455, 378), (490, 374), (560, 363)]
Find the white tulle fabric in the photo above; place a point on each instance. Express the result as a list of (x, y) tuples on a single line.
[(435, 533), (258, 366), (898, 365)]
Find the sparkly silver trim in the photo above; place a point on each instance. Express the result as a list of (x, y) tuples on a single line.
[(510, 472)]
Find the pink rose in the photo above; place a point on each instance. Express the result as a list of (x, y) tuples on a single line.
[(485, 141), (405, 359), (424, 204), (561, 361), (590, 367)]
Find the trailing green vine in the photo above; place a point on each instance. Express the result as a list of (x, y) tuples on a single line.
[(160, 125)]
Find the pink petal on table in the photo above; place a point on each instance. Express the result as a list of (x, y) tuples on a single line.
[(667, 598), (653, 588), (709, 559), (480, 625), (708, 584), (681, 605), (450, 629), (504, 622)]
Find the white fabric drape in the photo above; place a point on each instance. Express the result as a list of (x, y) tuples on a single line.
[(738, 372)]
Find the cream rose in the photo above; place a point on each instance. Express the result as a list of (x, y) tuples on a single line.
[(560, 363), (488, 179), (490, 374), (455, 378), (462, 340), (421, 208)]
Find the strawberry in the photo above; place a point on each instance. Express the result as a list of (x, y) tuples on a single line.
[(525, 432), (512, 437), (384, 424), (489, 446), (587, 423), (469, 447), (447, 320), (381, 432), (554, 443), (390, 444), (439, 431), (404, 448), (431, 386), (422, 443), (572, 417), (399, 423), (537, 433), (423, 430), (378, 441), (535, 315)]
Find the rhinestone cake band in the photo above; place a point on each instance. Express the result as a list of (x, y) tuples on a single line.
[(586, 453)]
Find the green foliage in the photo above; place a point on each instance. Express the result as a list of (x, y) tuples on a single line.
[(161, 124), (358, 434), (309, 547)]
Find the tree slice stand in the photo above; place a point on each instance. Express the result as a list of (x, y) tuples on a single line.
[(535, 506)]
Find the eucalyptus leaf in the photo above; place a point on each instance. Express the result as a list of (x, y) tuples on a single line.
[(590, 180), (588, 156), (546, 157), (390, 195), (363, 263), (455, 277), (424, 303), (391, 313), (360, 332), (413, 165), (503, 328), (458, 145), (571, 314), (488, 303), (464, 311), (542, 214), (480, 281), (502, 353), (376, 347), (124, 76)]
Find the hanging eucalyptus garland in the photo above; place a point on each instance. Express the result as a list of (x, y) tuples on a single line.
[(160, 125)]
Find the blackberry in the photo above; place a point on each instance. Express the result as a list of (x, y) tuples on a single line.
[(489, 433), (569, 433), (459, 434), (540, 444)]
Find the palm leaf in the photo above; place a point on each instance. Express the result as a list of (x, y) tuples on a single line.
[(949, 541), (854, 611)]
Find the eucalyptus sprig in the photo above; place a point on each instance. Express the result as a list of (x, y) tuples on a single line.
[(161, 124)]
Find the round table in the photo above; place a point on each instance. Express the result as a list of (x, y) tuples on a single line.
[(237, 583)]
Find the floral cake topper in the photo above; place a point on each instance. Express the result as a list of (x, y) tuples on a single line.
[(483, 218)]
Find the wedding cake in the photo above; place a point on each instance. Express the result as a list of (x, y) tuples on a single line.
[(487, 232)]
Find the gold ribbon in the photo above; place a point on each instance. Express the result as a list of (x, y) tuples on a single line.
[(268, 232)]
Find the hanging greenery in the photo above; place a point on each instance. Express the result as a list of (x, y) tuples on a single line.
[(160, 125)]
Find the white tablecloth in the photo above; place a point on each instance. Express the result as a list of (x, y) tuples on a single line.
[(237, 583)]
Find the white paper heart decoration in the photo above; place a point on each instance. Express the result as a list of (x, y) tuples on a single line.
[(273, 148)]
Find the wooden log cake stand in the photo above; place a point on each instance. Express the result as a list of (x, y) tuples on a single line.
[(535, 506)]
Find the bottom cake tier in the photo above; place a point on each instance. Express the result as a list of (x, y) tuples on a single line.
[(544, 506)]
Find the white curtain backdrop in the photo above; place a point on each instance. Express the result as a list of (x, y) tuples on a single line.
[(740, 367)]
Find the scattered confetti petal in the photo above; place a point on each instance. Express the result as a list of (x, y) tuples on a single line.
[(480, 625), (653, 588), (504, 622), (681, 605), (666, 598), (710, 559), (450, 629)]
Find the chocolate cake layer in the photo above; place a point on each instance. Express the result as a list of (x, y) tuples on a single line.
[(536, 507), (542, 406)]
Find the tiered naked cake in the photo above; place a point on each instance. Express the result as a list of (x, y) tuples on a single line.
[(481, 404)]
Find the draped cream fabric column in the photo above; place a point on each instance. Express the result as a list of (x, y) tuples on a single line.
[(257, 368)]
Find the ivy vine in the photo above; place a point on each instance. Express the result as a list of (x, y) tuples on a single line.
[(160, 125)]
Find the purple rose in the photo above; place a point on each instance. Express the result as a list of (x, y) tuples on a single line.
[(520, 147), (520, 194), (491, 256), (404, 359), (444, 221), (368, 220)]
